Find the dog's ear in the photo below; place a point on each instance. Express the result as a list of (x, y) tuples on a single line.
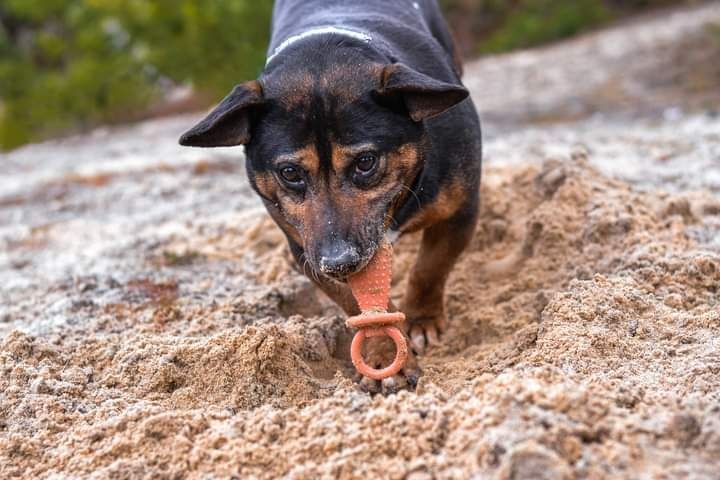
[(228, 124), (423, 96)]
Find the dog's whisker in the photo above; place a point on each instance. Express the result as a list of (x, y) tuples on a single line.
[(392, 219), (305, 264), (417, 198), (307, 267)]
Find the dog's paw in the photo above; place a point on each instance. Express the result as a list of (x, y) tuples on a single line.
[(425, 331), (379, 353)]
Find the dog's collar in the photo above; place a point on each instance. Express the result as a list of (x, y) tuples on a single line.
[(364, 37)]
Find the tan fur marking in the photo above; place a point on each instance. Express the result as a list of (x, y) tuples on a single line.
[(255, 87), (289, 212), (404, 160), (308, 158), (344, 155), (445, 205), (289, 229), (399, 163), (305, 157), (267, 184), (314, 218)]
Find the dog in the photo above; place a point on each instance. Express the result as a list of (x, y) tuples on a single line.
[(359, 130)]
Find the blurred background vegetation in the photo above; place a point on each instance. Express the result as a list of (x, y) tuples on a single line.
[(66, 65)]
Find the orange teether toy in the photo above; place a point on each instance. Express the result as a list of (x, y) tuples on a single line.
[(371, 289)]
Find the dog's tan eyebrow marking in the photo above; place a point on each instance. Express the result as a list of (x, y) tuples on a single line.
[(306, 157), (286, 158), (343, 155), (356, 149)]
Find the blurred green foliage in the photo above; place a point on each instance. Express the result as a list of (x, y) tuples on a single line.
[(80, 62), (69, 64), (715, 30), (491, 26), (540, 21)]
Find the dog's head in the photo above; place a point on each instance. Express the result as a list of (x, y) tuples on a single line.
[(332, 149)]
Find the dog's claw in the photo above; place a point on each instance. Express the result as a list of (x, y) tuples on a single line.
[(425, 333), (412, 379), (389, 386), (417, 340), (369, 385), (379, 353), (432, 335)]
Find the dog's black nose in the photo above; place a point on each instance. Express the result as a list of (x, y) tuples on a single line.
[(338, 258)]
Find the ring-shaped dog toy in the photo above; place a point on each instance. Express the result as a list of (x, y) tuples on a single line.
[(401, 352), (371, 288)]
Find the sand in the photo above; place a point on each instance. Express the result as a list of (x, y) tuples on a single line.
[(151, 325), (583, 340)]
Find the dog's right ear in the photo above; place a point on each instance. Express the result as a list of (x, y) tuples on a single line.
[(228, 124)]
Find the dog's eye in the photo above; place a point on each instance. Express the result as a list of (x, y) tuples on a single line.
[(291, 176), (366, 163)]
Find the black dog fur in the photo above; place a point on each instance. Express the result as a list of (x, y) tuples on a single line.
[(359, 129)]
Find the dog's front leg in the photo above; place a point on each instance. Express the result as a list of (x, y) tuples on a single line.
[(442, 244)]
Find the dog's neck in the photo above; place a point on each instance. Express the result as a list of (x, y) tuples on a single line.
[(327, 30)]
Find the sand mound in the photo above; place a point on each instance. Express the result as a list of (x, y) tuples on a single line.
[(583, 341), (244, 370)]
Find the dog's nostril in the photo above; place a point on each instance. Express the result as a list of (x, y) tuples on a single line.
[(339, 262)]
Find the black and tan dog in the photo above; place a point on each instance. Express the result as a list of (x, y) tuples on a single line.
[(359, 129)]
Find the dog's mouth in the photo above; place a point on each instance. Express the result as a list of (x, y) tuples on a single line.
[(344, 259), (344, 267), (339, 256)]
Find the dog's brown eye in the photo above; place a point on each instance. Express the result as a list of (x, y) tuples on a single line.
[(291, 176), (366, 163)]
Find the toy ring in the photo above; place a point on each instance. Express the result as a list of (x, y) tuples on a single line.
[(401, 352), (371, 289)]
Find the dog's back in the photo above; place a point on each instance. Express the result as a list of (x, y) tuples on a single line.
[(410, 32)]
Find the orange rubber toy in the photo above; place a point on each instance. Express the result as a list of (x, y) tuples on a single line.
[(371, 289)]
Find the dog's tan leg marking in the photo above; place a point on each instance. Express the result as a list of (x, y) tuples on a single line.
[(423, 305)]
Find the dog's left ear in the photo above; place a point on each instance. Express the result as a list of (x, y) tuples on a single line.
[(423, 96), (228, 124)]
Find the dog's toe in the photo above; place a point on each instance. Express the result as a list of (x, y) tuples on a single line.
[(379, 353), (424, 334), (417, 339), (433, 335), (391, 385), (369, 385)]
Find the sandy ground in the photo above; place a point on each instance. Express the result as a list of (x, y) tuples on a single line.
[(664, 65), (151, 327)]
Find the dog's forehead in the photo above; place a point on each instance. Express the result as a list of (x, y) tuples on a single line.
[(326, 104), (342, 83)]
